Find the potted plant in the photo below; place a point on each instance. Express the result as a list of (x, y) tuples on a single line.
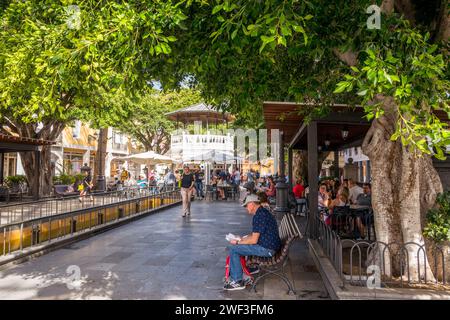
[(437, 231)]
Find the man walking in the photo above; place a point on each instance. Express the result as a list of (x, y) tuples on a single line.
[(199, 183), (263, 242), (187, 185)]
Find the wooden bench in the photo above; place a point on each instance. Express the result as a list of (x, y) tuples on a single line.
[(289, 231)]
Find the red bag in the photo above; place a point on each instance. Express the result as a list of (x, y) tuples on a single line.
[(243, 264)]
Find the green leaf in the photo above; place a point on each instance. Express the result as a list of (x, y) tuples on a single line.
[(233, 35), (282, 41), (341, 86), (217, 8), (362, 93), (298, 29)]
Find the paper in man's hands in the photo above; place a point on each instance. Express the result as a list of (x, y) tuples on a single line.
[(231, 236)]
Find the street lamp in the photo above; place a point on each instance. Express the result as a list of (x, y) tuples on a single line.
[(327, 141), (344, 132)]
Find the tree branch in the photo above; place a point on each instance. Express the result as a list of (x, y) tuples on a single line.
[(387, 6), (349, 57), (406, 8)]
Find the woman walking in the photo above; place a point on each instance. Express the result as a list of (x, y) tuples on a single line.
[(187, 186)]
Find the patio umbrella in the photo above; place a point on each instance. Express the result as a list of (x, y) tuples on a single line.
[(148, 158), (212, 156)]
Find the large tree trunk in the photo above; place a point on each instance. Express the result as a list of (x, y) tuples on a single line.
[(44, 167), (404, 187), (100, 156), (50, 131), (300, 163)]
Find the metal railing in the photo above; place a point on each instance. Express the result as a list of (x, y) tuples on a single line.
[(42, 230), (398, 264), (23, 211)]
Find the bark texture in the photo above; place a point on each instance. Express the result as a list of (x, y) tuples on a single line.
[(300, 162), (48, 130), (404, 187)]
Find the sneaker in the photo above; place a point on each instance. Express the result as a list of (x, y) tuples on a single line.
[(253, 270), (248, 282), (183, 215), (233, 285)]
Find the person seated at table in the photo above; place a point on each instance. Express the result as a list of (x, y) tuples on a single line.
[(220, 187), (355, 191), (271, 191), (264, 201), (324, 198), (343, 185), (340, 201), (142, 182), (364, 199), (299, 189), (336, 188)]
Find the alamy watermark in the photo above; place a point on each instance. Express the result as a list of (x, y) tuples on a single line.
[(73, 20), (374, 280), (73, 281), (374, 21)]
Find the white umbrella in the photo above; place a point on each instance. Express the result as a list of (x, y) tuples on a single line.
[(147, 158), (212, 156)]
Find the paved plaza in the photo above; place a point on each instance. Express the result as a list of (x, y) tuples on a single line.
[(161, 256)]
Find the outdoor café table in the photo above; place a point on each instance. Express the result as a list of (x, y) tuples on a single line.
[(227, 189)]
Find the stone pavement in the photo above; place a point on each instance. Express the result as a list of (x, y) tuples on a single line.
[(161, 256)]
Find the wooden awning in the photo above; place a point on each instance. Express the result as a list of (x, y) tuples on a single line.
[(10, 143)]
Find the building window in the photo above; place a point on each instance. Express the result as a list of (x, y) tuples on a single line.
[(119, 141), (10, 164), (73, 161), (76, 130)]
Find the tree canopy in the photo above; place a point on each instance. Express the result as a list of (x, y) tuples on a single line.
[(59, 62), (146, 120), (62, 63), (245, 52)]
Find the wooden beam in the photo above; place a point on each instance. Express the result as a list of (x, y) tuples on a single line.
[(290, 169), (300, 133), (313, 180), (2, 164)]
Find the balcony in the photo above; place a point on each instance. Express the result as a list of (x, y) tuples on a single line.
[(187, 145)]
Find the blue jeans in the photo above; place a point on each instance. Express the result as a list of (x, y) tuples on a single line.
[(199, 188), (236, 251)]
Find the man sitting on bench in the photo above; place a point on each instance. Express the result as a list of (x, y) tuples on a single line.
[(263, 242)]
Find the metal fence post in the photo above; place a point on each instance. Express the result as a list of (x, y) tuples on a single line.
[(21, 236)]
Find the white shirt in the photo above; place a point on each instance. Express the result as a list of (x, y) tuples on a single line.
[(355, 191)]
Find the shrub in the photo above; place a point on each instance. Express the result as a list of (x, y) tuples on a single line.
[(63, 179), (438, 219), (14, 180)]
